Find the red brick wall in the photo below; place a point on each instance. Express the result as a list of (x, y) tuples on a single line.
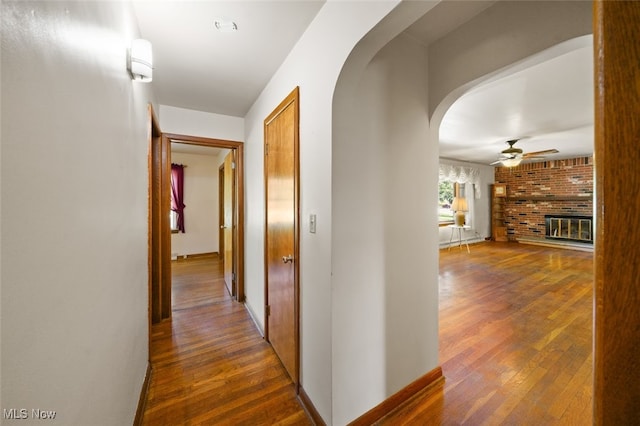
[(537, 189)]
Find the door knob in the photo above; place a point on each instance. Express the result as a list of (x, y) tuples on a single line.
[(287, 259)]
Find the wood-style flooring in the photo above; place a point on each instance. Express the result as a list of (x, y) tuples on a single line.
[(210, 364), (515, 339), (515, 347)]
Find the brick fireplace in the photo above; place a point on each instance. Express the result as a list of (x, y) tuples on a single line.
[(559, 188)]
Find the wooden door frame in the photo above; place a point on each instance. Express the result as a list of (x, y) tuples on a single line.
[(221, 209), (159, 234), (617, 294), (153, 247), (294, 96), (232, 287), (238, 235)]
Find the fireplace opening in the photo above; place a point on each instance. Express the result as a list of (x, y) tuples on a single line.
[(571, 228)]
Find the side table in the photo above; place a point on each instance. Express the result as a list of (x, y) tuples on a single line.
[(460, 229)]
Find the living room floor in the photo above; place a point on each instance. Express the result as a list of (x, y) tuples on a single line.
[(516, 326)]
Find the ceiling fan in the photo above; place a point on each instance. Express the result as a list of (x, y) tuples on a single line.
[(512, 156)]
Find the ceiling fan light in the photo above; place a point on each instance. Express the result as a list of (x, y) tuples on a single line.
[(511, 162)]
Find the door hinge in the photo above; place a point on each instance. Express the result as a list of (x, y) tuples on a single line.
[(233, 165), (233, 276), (267, 310), (266, 149)]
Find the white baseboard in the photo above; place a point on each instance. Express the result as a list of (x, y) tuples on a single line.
[(455, 243)]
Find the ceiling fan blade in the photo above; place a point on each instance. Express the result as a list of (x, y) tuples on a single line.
[(545, 152), (495, 162)]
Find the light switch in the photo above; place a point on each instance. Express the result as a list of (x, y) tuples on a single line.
[(312, 223)]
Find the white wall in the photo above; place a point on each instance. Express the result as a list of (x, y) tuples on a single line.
[(188, 122), (314, 65), (202, 222), (385, 272), (501, 37), (388, 97), (74, 213), (480, 218)]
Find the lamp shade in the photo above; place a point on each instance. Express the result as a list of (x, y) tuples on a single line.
[(459, 204), (140, 63)]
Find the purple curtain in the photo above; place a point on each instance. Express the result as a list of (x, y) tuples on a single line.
[(177, 193)]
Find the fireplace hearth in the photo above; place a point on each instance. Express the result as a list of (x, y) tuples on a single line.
[(570, 228)]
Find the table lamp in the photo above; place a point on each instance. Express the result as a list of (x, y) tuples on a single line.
[(459, 206)]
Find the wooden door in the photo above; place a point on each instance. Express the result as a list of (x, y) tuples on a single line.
[(229, 223), (281, 239), (617, 243), (221, 211)]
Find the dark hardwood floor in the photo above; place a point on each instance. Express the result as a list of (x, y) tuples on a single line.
[(515, 339), (210, 364), (515, 347)]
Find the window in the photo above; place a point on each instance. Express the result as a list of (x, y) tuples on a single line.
[(447, 191), (173, 221), (445, 198), (452, 183)]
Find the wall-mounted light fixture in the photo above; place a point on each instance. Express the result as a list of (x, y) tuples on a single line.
[(140, 61)]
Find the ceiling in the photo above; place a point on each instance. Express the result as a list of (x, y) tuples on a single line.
[(198, 67), (549, 105)]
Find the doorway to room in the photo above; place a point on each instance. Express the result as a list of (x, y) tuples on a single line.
[(503, 297), (231, 205), (159, 217)]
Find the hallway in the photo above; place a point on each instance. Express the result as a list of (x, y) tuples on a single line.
[(210, 364), (515, 347)]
